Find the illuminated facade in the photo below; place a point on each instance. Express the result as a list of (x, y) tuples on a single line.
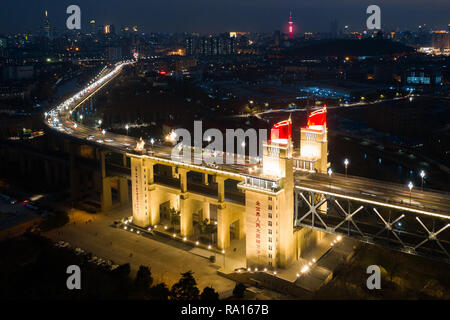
[(269, 207), (266, 220), (313, 155)]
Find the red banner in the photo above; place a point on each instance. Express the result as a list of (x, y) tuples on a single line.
[(318, 117), (281, 130)]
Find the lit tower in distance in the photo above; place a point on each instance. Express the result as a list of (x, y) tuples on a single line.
[(46, 25), (291, 25)]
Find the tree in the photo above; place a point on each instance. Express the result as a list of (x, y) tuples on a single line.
[(207, 228), (143, 279), (238, 291), (159, 292), (185, 288), (174, 217), (203, 226), (122, 271), (209, 294)]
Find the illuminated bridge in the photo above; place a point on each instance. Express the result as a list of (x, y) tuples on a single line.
[(281, 202)]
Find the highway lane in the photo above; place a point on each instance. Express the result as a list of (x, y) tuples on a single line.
[(60, 119), (376, 190)]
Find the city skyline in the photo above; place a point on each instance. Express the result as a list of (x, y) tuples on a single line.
[(265, 17)]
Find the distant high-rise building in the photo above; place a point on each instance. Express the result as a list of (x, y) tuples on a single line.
[(190, 46), (291, 26), (205, 46), (276, 38), (334, 26), (92, 27), (441, 39), (109, 29), (213, 46), (114, 54), (46, 25), (126, 47)]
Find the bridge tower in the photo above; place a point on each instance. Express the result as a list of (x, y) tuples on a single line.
[(313, 156), (269, 203)]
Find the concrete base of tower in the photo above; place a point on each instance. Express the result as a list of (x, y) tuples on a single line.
[(305, 238)]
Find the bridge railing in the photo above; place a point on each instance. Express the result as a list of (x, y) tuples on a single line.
[(400, 228)]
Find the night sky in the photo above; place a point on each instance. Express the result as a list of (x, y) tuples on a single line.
[(209, 16)]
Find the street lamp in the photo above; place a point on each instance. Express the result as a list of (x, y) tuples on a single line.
[(422, 175), (346, 162), (329, 173), (410, 186), (103, 131), (100, 122), (81, 117), (127, 127)]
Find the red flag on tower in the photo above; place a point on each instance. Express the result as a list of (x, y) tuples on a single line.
[(281, 132), (318, 118)]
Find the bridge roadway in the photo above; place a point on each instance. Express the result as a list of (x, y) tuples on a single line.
[(429, 201)]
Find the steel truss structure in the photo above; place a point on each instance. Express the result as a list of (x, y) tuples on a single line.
[(401, 228)]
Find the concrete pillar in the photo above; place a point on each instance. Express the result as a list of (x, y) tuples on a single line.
[(223, 227), (206, 211), (183, 179), (174, 173), (205, 179), (241, 226), (286, 219), (123, 189), (103, 163), (106, 194), (106, 198), (186, 216), (155, 201), (220, 188), (150, 173)]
